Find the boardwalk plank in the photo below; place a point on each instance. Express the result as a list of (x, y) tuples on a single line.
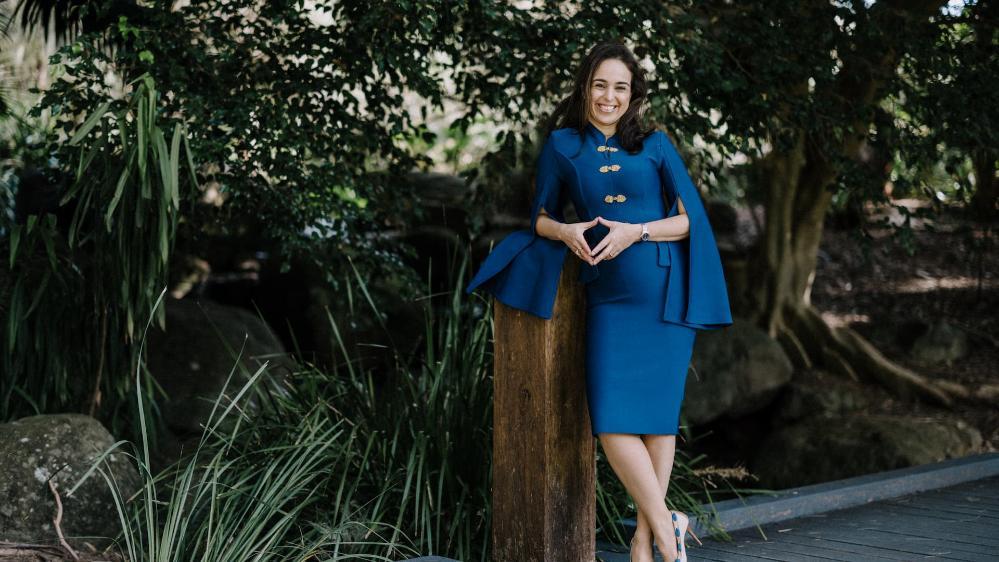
[(907, 545), (893, 514), (730, 553), (890, 538), (849, 551), (955, 508), (912, 515), (816, 550), (963, 500), (917, 528)]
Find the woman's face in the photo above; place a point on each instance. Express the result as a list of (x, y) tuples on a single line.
[(610, 92)]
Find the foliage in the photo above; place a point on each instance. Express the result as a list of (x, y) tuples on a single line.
[(295, 113), (252, 490), (105, 259), (339, 463), (945, 108)]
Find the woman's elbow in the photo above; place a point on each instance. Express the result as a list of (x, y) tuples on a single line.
[(684, 226)]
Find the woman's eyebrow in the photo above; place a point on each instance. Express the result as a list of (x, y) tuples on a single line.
[(619, 82)]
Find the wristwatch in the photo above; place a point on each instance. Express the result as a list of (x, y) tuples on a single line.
[(645, 232)]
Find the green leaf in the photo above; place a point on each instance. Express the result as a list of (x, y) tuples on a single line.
[(89, 124), (163, 157), (190, 161), (164, 235), (39, 292), (15, 239), (140, 129), (175, 166), (119, 189), (50, 247)]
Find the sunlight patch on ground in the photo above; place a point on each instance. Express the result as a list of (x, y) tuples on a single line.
[(836, 320), (927, 284)]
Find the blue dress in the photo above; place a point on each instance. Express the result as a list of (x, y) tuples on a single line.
[(642, 306)]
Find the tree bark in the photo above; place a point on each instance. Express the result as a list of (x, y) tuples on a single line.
[(985, 200)]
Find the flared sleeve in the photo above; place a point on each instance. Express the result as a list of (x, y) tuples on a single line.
[(523, 270), (697, 296)]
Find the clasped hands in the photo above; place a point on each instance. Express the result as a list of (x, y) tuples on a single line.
[(620, 236)]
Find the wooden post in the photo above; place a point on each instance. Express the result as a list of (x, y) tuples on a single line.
[(544, 463)]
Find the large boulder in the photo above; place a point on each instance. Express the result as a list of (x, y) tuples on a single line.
[(940, 344), (823, 448), (192, 359), (815, 392), (60, 447), (737, 371)]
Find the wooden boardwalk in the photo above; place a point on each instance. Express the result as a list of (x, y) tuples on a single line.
[(947, 510), (959, 522)]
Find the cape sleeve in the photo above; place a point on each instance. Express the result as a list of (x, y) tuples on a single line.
[(523, 270), (697, 296)]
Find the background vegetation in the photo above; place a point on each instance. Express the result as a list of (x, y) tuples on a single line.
[(158, 130)]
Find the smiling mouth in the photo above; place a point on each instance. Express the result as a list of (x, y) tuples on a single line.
[(606, 108)]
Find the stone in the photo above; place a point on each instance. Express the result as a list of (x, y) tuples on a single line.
[(988, 392), (813, 391), (736, 371), (940, 344), (822, 448), (192, 359), (61, 447)]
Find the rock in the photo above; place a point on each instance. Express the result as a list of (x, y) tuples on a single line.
[(824, 448), (61, 447), (941, 343), (988, 393), (737, 371), (192, 359), (813, 392)]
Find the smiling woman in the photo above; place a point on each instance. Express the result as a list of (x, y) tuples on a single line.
[(651, 268)]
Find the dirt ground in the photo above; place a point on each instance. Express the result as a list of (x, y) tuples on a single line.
[(870, 283)]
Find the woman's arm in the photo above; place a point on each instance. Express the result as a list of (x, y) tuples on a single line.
[(668, 229)]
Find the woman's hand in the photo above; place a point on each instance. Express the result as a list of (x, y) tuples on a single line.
[(572, 235), (621, 235)]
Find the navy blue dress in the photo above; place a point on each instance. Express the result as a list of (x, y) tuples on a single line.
[(643, 305)]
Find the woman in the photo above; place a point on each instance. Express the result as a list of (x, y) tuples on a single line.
[(651, 268)]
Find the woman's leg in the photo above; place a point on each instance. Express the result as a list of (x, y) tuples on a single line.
[(662, 450), (629, 457)]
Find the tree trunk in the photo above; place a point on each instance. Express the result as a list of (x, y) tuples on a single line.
[(985, 200)]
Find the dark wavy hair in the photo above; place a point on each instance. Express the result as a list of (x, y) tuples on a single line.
[(572, 111)]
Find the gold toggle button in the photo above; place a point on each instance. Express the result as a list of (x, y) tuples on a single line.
[(620, 198), (611, 168), (603, 148)]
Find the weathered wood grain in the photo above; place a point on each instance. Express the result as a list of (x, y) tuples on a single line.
[(544, 461)]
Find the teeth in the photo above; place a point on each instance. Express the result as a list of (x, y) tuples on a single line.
[(607, 108)]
